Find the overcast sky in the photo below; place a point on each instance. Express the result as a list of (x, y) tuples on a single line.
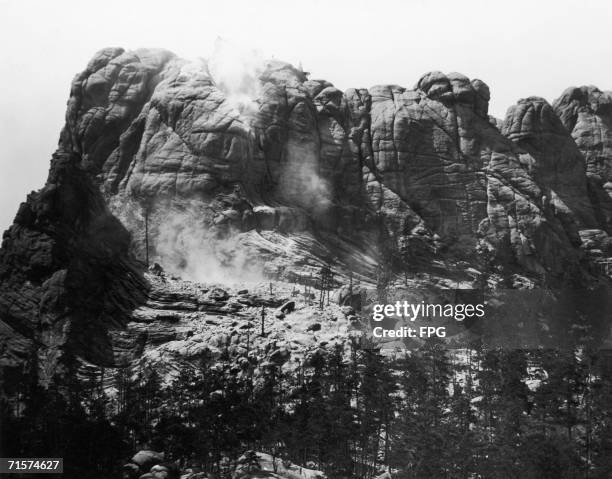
[(519, 48)]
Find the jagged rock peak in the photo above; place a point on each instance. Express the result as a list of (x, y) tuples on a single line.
[(530, 117), (585, 98), (456, 88), (586, 112)]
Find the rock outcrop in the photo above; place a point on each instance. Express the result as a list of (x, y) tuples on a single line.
[(259, 465), (586, 112), (160, 160), (158, 134)]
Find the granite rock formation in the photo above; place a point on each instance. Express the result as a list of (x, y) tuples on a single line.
[(586, 112), (298, 175)]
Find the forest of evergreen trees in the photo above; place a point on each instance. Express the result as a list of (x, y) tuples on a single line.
[(428, 414)]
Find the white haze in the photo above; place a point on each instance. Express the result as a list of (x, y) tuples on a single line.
[(185, 245), (235, 70), (519, 48), (192, 252), (184, 240)]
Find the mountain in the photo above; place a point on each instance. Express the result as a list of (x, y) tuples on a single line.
[(274, 175)]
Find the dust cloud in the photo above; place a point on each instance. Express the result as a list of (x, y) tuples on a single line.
[(189, 247), (235, 71)]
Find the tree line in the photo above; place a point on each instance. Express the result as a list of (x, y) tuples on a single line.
[(348, 411)]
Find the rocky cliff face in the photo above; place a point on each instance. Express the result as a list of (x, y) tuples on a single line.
[(157, 151), (158, 132), (586, 112)]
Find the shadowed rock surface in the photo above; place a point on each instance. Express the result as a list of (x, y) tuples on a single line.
[(586, 112)]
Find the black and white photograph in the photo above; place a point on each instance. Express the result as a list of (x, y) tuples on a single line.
[(306, 239)]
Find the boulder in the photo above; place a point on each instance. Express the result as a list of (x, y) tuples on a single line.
[(165, 471), (288, 307), (280, 356), (146, 459), (314, 327)]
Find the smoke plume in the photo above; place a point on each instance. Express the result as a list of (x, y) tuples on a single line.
[(235, 71), (187, 246)]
